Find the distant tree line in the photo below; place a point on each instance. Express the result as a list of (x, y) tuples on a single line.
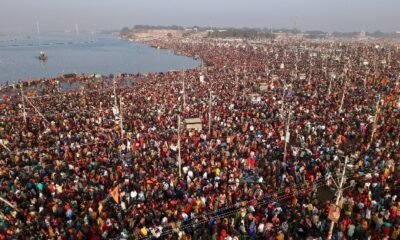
[(149, 27), (126, 31), (376, 34), (253, 33), (245, 33), (314, 34)]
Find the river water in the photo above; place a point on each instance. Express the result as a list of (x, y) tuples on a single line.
[(83, 53)]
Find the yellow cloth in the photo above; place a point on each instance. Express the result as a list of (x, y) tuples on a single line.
[(217, 171), (310, 207), (387, 172), (99, 221), (280, 236), (100, 207), (144, 231)]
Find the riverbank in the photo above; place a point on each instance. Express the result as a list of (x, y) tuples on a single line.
[(68, 53)]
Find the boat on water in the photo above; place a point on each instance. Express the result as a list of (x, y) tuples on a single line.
[(42, 56)]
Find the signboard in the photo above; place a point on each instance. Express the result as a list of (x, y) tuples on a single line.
[(193, 123), (115, 111), (202, 78), (263, 87), (254, 98)]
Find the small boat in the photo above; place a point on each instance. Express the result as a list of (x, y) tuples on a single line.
[(42, 56)]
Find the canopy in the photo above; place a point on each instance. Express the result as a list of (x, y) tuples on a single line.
[(95, 75)]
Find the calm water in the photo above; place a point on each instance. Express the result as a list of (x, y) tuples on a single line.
[(86, 53)]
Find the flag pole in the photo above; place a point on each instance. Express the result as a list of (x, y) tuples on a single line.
[(209, 113), (23, 102), (179, 146), (121, 117), (287, 133), (339, 195), (375, 121)]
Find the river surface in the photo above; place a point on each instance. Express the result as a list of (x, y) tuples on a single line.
[(83, 53)]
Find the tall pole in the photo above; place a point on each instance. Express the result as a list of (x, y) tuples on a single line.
[(9, 204), (209, 113), (365, 82), (244, 87), (184, 93), (342, 100), (339, 195), (179, 146), (330, 85), (266, 70), (287, 133), (120, 117), (283, 99), (36, 110), (115, 94), (23, 102), (37, 28), (4, 146), (237, 80), (76, 29), (375, 121)]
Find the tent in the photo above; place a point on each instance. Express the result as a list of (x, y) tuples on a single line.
[(95, 75)]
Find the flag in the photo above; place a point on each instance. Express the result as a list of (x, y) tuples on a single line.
[(115, 194), (100, 207)]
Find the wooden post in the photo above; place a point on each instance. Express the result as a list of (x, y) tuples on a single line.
[(287, 133), (115, 94), (23, 102), (179, 147), (184, 93), (375, 121), (4, 146), (339, 195), (237, 80), (9, 204), (36, 110), (341, 103), (121, 117), (342, 100), (209, 113), (283, 99)]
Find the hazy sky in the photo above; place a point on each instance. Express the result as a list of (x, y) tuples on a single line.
[(327, 15)]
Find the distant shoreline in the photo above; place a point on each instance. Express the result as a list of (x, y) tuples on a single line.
[(149, 38)]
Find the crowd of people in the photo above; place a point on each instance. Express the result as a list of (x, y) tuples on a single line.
[(279, 122)]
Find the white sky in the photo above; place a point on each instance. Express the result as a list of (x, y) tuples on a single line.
[(326, 15)]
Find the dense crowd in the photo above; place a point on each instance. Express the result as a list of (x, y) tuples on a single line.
[(283, 118)]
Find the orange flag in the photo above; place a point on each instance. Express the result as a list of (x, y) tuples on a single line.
[(115, 194)]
